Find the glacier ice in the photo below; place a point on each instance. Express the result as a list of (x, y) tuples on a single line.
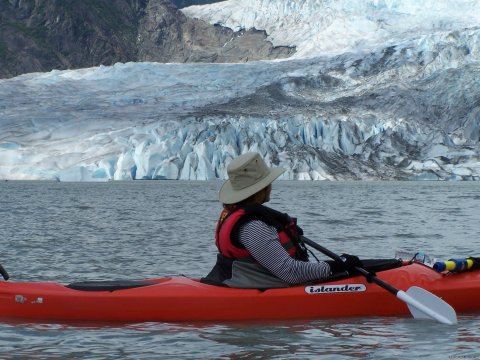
[(397, 99), (337, 26)]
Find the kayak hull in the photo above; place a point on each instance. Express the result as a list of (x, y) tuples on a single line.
[(180, 299)]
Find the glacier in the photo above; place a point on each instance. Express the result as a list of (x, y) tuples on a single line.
[(328, 27), (376, 90)]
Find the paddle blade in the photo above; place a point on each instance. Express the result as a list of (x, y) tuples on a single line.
[(425, 305)]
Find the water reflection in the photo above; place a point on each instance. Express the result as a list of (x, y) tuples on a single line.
[(379, 338)]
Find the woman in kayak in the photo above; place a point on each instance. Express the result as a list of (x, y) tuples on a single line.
[(260, 247)]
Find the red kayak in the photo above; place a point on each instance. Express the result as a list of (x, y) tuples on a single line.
[(179, 299)]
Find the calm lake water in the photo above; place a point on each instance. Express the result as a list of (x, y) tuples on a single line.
[(129, 230)]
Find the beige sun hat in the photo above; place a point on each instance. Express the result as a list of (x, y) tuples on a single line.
[(248, 174)]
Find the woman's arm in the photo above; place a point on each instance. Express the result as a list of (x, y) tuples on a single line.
[(263, 243)]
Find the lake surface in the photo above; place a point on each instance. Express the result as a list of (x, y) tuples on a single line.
[(69, 232)]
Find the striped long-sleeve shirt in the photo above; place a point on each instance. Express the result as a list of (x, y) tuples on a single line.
[(264, 244)]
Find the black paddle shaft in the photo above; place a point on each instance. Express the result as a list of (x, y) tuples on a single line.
[(367, 274), (4, 273)]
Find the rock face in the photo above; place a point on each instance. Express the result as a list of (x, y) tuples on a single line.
[(165, 34), (41, 35)]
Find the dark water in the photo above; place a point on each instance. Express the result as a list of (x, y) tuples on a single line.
[(83, 231)]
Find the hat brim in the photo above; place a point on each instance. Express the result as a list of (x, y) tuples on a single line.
[(228, 195)]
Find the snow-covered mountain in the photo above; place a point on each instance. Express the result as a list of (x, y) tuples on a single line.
[(376, 90)]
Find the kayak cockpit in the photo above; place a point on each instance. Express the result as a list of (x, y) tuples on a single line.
[(113, 285)]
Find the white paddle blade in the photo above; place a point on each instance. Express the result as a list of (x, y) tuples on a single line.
[(425, 305)]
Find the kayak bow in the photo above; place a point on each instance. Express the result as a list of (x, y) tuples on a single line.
[(421, 303)]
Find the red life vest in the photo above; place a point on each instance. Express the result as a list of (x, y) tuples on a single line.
[(226, 234)]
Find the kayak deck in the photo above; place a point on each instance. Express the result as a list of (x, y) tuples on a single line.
[(178, 299)]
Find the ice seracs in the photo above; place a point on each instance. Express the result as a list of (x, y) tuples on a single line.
[(402, 104)]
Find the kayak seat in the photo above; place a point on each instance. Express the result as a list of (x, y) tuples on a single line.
[(108, 285)]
